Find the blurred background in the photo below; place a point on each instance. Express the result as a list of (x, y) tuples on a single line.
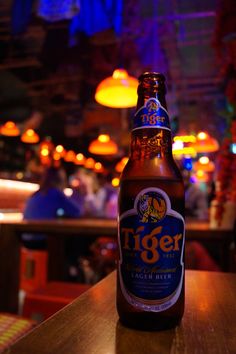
[(53, 56)]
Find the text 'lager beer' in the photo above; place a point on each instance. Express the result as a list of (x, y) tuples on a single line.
[(150, 277)]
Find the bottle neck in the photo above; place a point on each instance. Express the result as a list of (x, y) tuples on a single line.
[(149, 143), (144, 95)]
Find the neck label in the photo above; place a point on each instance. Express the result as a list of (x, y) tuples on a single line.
[(151, 115)]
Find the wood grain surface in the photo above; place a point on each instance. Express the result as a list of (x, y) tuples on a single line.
[(90, 324)]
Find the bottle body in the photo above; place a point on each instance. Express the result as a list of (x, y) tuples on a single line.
[(150, 276)]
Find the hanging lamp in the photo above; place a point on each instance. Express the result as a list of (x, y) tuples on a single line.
[(80, 159), (118, 90), (205, 143), (56, 156), (30, 137), (10, 129), (89, 163), (46, 148), (70, 156), (103, 145), (59, 149), (204, 164), (98, 167)]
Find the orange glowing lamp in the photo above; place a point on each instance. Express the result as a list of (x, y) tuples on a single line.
[(98, 167), (45, 151), (89, 163), (204, 164), (10, 129), (80, 159), (47, 144), (205, 143), (30, 137), (103, 145), (56, 156), (70, 156), (118, 90), (60, 150)]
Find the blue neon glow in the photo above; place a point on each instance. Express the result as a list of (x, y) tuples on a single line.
[(54, 10), (96, 16), (188, 164), (233, 148)]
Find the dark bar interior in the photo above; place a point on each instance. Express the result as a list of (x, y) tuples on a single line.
[(95, 99)]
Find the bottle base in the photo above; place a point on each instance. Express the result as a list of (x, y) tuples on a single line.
[(139, 323)]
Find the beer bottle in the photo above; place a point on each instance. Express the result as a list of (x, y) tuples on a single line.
[(150, 276)]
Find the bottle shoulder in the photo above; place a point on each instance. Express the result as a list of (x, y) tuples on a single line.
[(151, 169)]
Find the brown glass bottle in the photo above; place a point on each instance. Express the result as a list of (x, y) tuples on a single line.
[(150, 276)]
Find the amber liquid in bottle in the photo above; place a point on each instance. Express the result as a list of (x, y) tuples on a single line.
[(150, 165)]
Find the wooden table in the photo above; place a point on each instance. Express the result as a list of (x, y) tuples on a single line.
[(90, 324), (57, 230)]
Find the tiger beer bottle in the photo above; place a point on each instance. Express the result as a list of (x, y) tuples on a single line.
[(150, 276)]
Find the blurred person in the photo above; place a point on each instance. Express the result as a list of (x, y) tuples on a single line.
[(111, 201), (196, 202), (111, 207), (90, 198), (49, 202), (94, 200), (89, 195), (196, 205)]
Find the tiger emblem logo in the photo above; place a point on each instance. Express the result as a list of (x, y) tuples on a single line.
[(151, 207), (152, 105)]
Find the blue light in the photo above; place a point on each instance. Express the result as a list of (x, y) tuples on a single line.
[(54, 10), (188, 164), (97, 16), (233, 148), (60, 212)]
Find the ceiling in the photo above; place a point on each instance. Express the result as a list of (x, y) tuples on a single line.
[(39, 72)]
